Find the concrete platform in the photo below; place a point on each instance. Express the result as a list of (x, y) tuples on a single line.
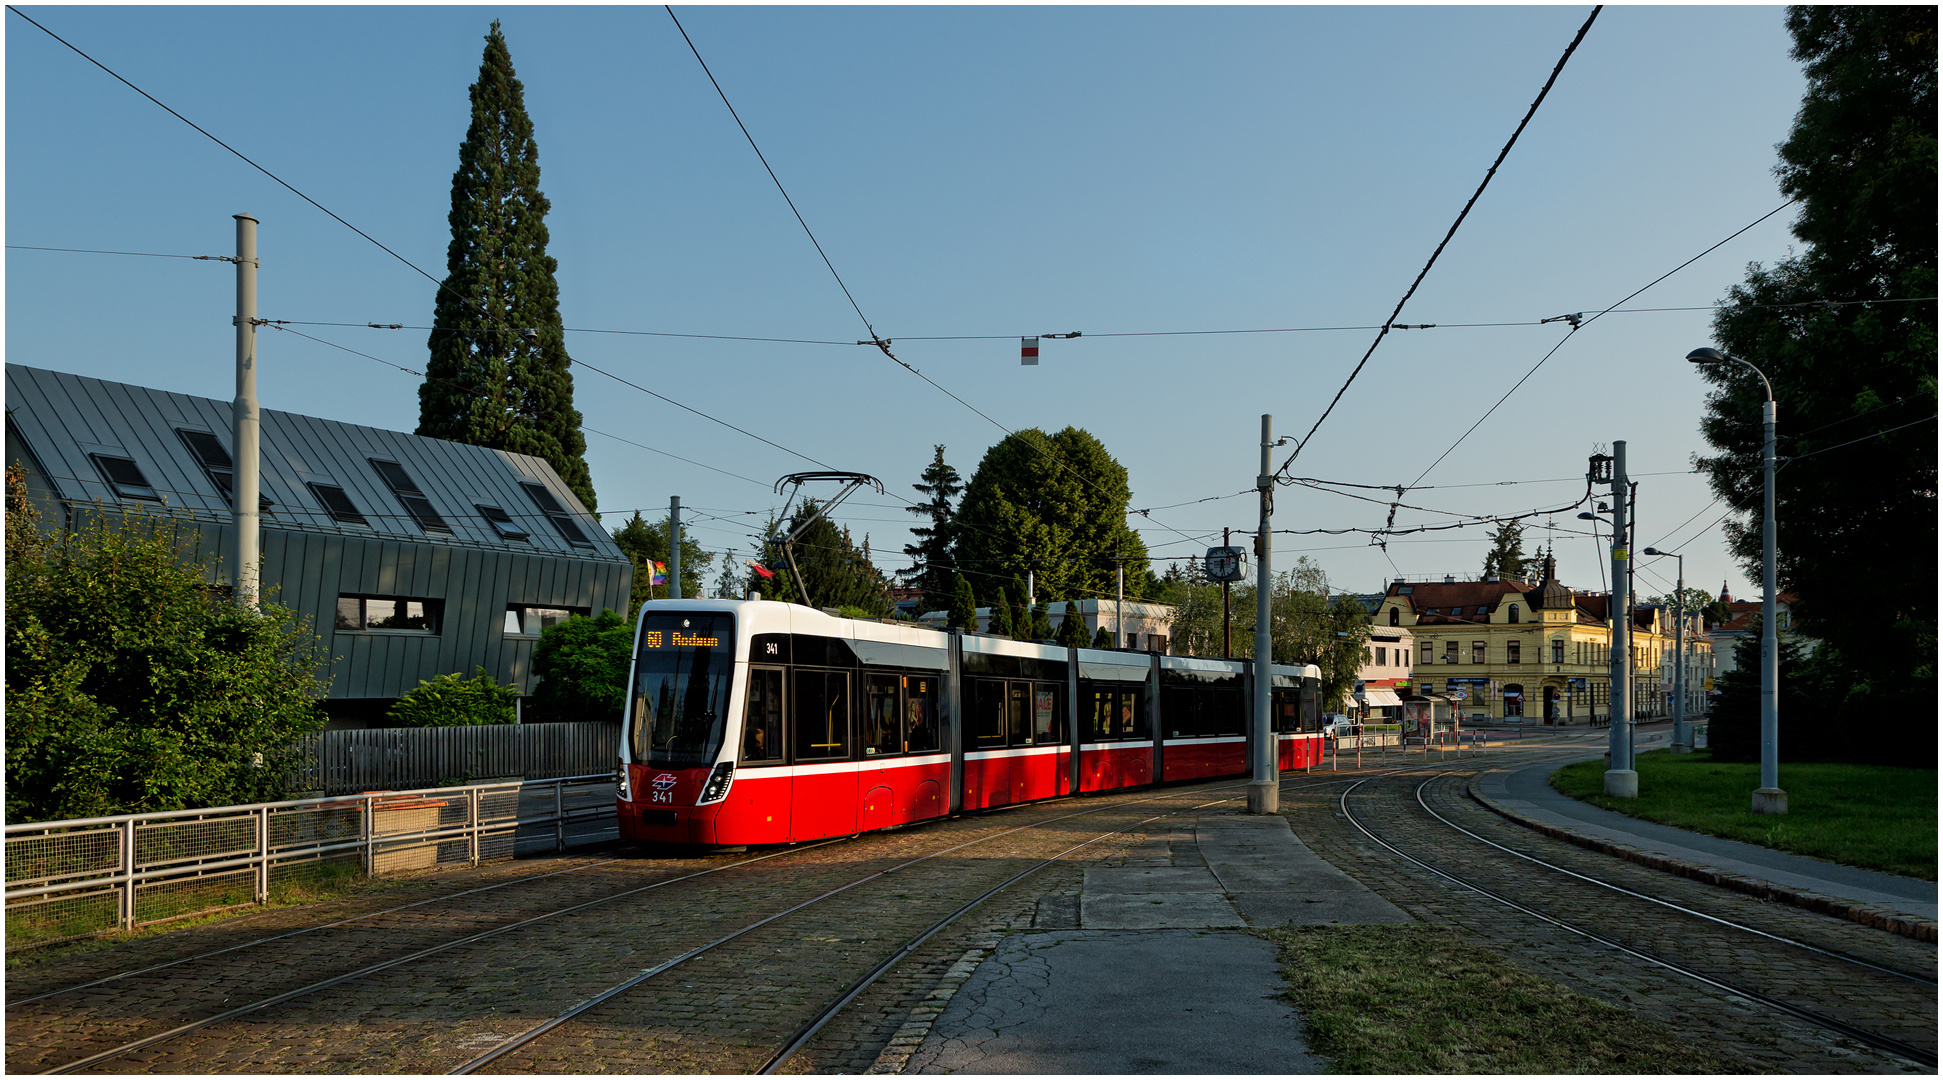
[(1158, 975), (1129, 1002)]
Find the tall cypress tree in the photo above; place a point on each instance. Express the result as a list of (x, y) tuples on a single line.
[(498, 373)]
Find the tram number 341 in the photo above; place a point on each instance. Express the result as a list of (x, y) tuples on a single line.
[(664, 788)]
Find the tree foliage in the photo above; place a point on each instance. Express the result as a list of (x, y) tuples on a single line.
[(963, 612), (1855, 382), (581, 664), (1308, 625), (1506, 559), (836, 571), (647, 541), (1734, 723), (932, 557), (499, 373), (999, 619), (1055, 505), (453, 700), (131, 685)]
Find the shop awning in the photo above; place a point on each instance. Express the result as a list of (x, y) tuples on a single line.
[(1381, 697)]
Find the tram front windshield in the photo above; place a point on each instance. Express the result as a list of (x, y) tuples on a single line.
[(682, 671)]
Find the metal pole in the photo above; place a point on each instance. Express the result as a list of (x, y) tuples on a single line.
[(674, 547), (1030, 585), (1119, 606), (243, 474), (1264, 791), (1770, 799), (1622, 781), (1682, 734), (1227, 645), (263, 855)]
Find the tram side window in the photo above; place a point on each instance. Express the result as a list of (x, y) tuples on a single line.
[(1226, 718), (987, 720), (1096, 707), (1018, 696), (883, 730), (1177, 711), (762, 727), (1048, 714), (921, 713), (1284, 710), (1133, 713), (822, 715)]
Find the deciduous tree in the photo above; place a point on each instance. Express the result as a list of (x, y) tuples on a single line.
[(581, 664), (646, 542), (837, 572), (1853, 365)]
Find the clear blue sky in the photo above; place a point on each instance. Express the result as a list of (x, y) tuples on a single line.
[(969, 171)]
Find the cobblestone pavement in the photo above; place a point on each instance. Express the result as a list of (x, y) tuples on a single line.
[(725, 1012), (1763, 1040)]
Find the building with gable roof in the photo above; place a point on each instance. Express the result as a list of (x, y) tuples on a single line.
[(1512, 649), (411, 557)]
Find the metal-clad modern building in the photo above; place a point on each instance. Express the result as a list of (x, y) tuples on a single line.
[(413, 557)]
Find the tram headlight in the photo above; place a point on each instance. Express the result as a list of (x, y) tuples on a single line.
[(717, 787), (622, 790)]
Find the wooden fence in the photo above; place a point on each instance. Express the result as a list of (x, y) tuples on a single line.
[(376, 759)]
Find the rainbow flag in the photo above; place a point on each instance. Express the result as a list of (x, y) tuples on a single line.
[(660, 573)]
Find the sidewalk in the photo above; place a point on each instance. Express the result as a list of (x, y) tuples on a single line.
[(1892, 902), (1148, 970)]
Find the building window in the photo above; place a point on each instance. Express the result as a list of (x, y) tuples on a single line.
[(125, 477), (1483, 610), (1394, 616), (396, 614), (1512, 614), (412, 499), (501, 522), (216, 464), (563, 521), (1381, 657), (339, 504), (1426, 647), (1511, 651), (1558, 652), (1477, 652), (1450, 652), (527, 620)]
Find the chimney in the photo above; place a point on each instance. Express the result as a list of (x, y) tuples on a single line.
[(1490, 579), (1450, 579)]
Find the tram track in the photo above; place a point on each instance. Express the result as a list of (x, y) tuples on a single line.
[(417, 957), (1655, 931)]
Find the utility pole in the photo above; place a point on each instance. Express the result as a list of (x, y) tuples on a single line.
[(1682, 734), (1119, 605), (1622, 781), (1265, 790), (1227, 646), (246, 513), (674, 547)]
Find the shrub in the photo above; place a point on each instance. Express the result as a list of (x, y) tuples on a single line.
[(582, 667), (456, 701)]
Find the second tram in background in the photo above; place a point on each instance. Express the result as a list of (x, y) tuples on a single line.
[(758, 722)]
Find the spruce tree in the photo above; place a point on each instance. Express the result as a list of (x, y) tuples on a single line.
[(1040, 628), (963, 612), (1001, 621), (931, 556), (1103, 638), (1021, 611), (1072, 627), (498, 372)]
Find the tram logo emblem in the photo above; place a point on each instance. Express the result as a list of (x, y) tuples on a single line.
[(664, 782)]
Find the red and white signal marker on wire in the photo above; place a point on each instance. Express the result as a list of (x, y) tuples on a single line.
[(1029, 351)]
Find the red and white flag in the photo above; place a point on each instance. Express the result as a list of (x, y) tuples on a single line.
[(1029, 351), (763, 570)]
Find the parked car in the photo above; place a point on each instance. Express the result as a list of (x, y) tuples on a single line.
[(1336, 725)]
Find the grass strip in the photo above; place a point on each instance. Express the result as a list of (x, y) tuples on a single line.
[(1877, 817), (1424, 999)]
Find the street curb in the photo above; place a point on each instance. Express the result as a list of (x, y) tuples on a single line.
[(917, 1027), (1879, 918)]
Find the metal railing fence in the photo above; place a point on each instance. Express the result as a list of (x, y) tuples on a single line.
[(345, 762), (72, 879)]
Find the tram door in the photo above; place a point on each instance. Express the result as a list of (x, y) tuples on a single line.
[(823, 791)]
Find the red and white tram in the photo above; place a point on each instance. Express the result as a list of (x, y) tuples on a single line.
[(758, 722)]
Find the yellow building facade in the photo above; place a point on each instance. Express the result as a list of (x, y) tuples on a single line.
[(1507, 648)]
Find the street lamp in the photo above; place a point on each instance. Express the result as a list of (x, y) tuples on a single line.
[(1768, 798), (1682, 734)]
